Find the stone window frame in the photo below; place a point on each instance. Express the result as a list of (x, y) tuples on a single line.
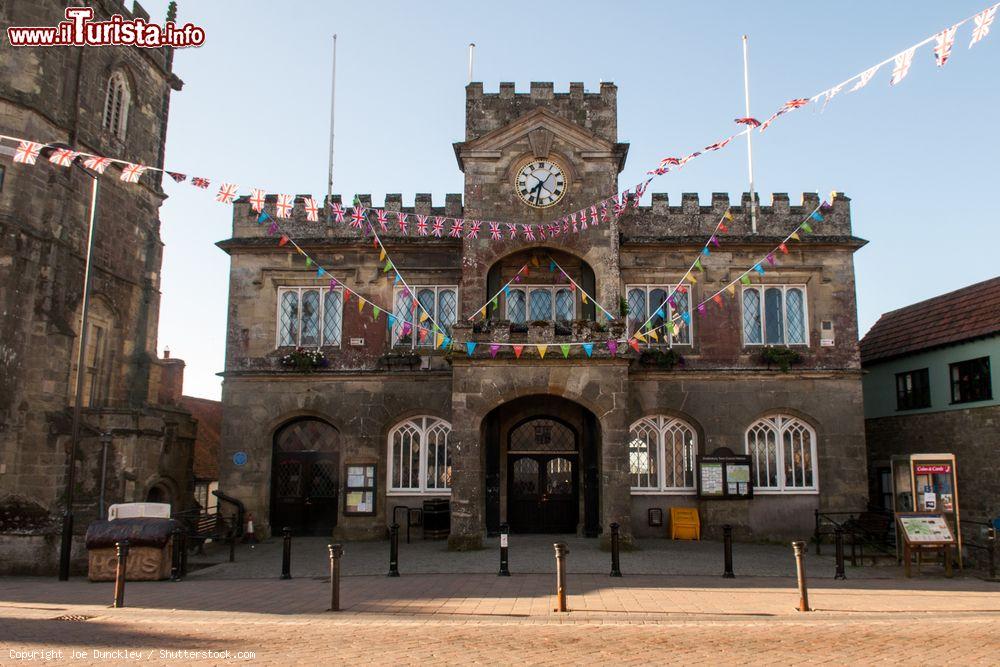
[(396, 333), (662, 426), (761, 290), (528, 289), (781, 425), (300, 289), (667, 341), (117, 98), (423, 426)]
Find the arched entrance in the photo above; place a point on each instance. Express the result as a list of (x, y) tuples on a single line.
[(541, 467), (305, 477)]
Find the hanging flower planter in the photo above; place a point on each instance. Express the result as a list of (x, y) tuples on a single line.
[(305, 360)]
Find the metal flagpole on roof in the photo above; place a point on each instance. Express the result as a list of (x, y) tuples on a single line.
[(333, 95), (746, 96), (472, 50)]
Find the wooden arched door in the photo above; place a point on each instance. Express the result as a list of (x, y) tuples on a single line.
[(543, 473), (305, 477)]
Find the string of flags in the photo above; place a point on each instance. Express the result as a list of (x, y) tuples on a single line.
[(574, 286), (505, 290)]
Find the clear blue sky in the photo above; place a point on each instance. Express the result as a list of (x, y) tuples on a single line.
[(918, 160)]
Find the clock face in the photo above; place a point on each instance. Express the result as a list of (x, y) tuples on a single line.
[(540, 183)]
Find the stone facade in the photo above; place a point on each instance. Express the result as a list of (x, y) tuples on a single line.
[(58, 95), (374, 381)]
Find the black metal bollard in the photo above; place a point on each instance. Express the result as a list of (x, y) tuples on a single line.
[(175, 554), (991, 552), (336, 551), (394, 550), (800, 571), (727, 547), (838, 536), (122, 550), (184, 554), (232, 545), (561, 552), (286, 554), (616, 570), (504, 562)]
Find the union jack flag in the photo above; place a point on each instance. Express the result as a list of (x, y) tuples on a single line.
[(63, 157), (401, 221), (593, 215), (553, 230), (438, 228), (338, 212), (619, 207), (983, 21), (284, 205), (511, 231), (257, 198), (98, 163), (358, 215), (748, 121), (790, 105), (901, 65), (718, 144), (865, 77), (177, 176), (27, 152), (669, 161), (529, 232), (383, 219), (565, 226), (227, 193), (456, 228), (541, 232), (605, 216), (495, 231), (132, 172), (312, 210), (688, 158), (200, 182), (944, 40), (583, 219), (474, 227), (572, 221), (422, 225)]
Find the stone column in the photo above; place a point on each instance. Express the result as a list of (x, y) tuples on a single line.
[(616, 499), (467, 481)]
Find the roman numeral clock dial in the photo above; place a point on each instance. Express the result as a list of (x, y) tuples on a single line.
[(540, 183)]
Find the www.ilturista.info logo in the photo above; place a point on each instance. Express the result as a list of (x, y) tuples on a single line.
[(79, 30)]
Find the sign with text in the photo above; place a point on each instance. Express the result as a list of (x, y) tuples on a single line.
[(724, 475), (925, 529)]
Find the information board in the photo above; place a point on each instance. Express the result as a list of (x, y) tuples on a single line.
[(925, 529), (724, 475)]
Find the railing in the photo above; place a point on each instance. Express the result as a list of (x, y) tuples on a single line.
[(981, 538), (538, 332), (871, 529)]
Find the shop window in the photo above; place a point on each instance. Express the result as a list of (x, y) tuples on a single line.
[(970, 381), (783, 454), (359, 487), (419, 456), (774, 315), (661, 455), (440, 302), (664, 304), (913, 390), (309, 317)]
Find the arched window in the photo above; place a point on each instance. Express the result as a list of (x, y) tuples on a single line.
[(661, 453), (783, 451), (419, 456), (116, 102)]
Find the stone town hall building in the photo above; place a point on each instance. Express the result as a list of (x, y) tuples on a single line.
[(555, 444)]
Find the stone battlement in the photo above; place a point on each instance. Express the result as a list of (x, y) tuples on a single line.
[(543, 90)]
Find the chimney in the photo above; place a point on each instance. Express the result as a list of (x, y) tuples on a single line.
[(171, 380)]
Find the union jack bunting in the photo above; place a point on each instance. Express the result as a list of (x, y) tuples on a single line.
[(338, 212), (27, 152), (748, 121), (593, 215), (619, 208), (98, 163), (983, 21), (200, 182), (553, 230), (572, 222), (132, 172), (383, 220), (177, 176), (438, 228), (864, 78), (63, 157), (943, 41), (284, 205), (227, 193), (605, 215), (511, 231), (474, 227), (830, 94), (790, 105), (901, 66), (257, 198), (719, 144), (529, 232), (312, 210), (541, 232), (401, 221), (422, 225), (583, 220), (688, 158), (456, 228), (495, 231), (669, 161), (358, 214)]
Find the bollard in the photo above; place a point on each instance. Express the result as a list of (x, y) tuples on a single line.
[(286, 554), (615, 537), (394, 550), (838, 536), (122, 550), (800, 571), (561, 552), (184, 554), (504, 562), (727, 546), (336, 551), (232, 545), (991, 553), (175, 555)]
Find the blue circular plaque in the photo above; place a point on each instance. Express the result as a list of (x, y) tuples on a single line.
[(240, 458)]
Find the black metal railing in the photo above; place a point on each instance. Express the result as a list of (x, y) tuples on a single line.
[(870, 530), (980, 539)]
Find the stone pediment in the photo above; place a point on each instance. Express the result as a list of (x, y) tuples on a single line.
[(543, 129)]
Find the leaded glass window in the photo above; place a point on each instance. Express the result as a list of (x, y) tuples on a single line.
[(288, 318), (659, 304), (515, 306), (564, 305), (775, 315), (419, 456), (542, 435), (309, 316), (783, 453), (540, 304), (661, 454), (333, 316), (309, 334), (440, 303)]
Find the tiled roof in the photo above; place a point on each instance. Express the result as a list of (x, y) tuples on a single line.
[(206, 442), (967, 313)]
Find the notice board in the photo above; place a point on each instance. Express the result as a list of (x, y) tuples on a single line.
[(723, 475)]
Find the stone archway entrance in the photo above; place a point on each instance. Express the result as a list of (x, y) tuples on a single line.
[(305, 477)]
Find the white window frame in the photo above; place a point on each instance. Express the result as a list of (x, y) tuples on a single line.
[(552, 289), (394, 333), (117, 94), (761, 289), (322, 315), (665, 340), (663, 425), (422, 424), (781, 424)]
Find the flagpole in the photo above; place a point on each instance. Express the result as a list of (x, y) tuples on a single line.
[(746, 98), (333, 96)]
